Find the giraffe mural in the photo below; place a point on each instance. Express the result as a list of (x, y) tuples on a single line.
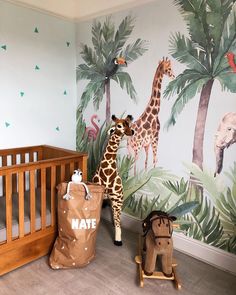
[(147, 126), (107, 173)]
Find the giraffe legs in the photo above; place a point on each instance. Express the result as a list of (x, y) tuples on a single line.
[(116, 206), (154, 150), (146, 147)]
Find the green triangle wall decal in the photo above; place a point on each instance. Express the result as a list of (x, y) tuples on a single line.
[(67, 44), (57, 128), (22, 93), (65, 93), (36, 30), (36, 67), (7, 124), (4, 47)]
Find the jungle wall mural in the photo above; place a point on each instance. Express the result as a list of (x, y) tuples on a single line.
[(181, 93)]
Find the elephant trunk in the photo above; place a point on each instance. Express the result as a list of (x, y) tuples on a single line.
[(219, 153)]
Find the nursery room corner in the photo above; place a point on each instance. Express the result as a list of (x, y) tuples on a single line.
[(118, 147)]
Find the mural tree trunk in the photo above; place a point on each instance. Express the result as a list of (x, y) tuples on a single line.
[(200, 123), (108, 101)]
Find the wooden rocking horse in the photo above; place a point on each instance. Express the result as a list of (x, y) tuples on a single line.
[(158, 228)]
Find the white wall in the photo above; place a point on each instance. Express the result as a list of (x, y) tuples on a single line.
[(44, 114)]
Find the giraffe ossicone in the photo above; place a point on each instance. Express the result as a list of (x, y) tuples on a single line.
[(107, 171)]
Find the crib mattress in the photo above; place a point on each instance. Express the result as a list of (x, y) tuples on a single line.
[(15, 212)]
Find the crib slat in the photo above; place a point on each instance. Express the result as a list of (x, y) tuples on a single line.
[(22, 158), (9, 208), (31, 156), (72, 167), (32, 201), (43, 198), (63, 170), (4, 163), (21, 204), (53, 197), (14, 178)]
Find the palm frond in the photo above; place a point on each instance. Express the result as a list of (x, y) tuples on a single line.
[(134, 50), (186, 94), (181, 81), (212, 185), (125, 164), (108, 30), (227, 79), (207, 226), (227, 41), (83, 71), (188, 52), (122, 34), (125, 82), (88, 55), (194, 13), (97, 38), (94, 90)]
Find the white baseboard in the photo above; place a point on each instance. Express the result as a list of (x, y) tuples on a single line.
[(199, 250)]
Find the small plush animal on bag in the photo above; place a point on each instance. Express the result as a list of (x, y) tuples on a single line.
[(158, 228), (77, 178)]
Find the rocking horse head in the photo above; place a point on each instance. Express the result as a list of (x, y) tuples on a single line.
[(161, 225)]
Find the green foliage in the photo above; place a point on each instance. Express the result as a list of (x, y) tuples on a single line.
[(94, 148), (216, 212), (212, 33), (108, 44), (207, 226)]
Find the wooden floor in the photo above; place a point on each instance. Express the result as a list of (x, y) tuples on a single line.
[(115, 272)]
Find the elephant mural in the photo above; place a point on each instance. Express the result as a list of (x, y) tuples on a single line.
[(158, 228), (225, 136)]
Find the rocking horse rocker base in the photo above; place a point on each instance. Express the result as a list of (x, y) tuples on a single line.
[(156, 274)]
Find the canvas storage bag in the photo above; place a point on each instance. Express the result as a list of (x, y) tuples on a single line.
[(78, 220)]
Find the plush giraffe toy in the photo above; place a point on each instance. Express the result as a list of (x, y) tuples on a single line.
[(107, 173)]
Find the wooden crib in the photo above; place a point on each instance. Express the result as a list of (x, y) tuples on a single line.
[(28, 179)]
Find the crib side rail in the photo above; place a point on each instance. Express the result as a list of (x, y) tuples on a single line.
[(30, 177)]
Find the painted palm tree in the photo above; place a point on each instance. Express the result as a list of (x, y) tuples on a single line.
[(212, 34), (106, 61)]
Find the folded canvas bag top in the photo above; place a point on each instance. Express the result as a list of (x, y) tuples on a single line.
[(78, 221)]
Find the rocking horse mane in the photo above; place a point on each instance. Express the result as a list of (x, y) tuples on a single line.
[(157, 214)]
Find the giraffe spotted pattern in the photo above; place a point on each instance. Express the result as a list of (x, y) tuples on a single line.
[(147, 126), (107, 173)]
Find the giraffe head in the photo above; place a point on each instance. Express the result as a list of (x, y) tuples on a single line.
[(165, 66), (122, 126)]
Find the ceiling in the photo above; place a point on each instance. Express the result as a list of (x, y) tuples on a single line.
[(77, 10)]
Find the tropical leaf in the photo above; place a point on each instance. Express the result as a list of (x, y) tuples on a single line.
[(94, 90), (125, 164), (207, 226), (134, 50), (186, 94), (227, 41), (186, 51), (183, 209), (227, 80), (97, 37), (125, 82), (108, 30), (181, 81), (204, 178), (122, 34), (88, 55), (83, 71)]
